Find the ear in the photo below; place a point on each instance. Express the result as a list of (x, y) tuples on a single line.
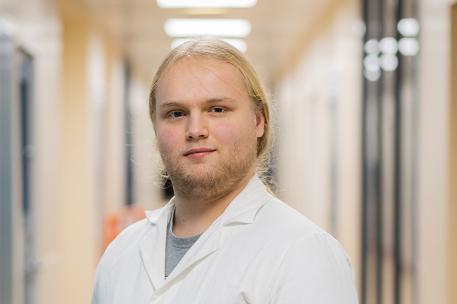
[(260, 124), (154, 127), (154, 122)]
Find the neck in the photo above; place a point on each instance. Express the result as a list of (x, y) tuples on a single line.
[(193, 215)]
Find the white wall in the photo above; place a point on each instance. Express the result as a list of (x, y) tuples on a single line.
[(319, 106), (434, 90)]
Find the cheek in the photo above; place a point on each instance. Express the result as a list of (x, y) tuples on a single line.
[(225, 132), (232, 133), (167, 139)]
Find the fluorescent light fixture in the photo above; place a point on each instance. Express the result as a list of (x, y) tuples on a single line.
[(206, 3), (207, 27), (238, 43)]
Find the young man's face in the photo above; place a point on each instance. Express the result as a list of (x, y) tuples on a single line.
[(206, 126)]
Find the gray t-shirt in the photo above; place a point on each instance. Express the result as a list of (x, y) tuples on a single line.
[(176, 247)]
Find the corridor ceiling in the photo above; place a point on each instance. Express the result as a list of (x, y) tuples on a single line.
[(278, 27)]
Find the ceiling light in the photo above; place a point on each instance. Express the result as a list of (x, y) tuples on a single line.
[(408, 27), (207, 27), (408, 46), (388, 45), (206, 3), (389, 62), (372, 46), (238, 43), (371, 62), (372, 75)]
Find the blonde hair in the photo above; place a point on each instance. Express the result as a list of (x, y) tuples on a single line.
[(220, 50)]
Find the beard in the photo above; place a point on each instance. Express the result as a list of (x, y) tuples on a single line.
[(205, 182)]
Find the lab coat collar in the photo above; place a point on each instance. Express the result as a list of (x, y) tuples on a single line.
[(242, 210), (154, 216)]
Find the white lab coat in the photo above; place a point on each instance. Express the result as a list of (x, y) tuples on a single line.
[(258, 251)]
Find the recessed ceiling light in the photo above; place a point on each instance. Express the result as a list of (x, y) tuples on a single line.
[(408, 27), (388, 45), (238, 43), (205, 3), (389, 62), (207, 27), (408, 46), (372, 46)]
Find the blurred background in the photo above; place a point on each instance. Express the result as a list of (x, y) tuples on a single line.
[(365, 105)]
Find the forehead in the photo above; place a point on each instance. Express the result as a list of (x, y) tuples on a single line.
[(193, 78)]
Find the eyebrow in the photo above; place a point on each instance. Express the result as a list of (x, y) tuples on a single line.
[(177, 103)]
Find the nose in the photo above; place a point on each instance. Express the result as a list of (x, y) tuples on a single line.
[(197, 128)]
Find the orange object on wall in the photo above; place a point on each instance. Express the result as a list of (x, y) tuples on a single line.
[(116, 222)]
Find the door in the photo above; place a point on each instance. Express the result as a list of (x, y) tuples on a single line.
[(17, 255), (24, 87)]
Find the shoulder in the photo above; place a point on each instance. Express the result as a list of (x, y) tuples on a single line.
[(308, 256), (292, 236), (318, 262), (300, 232), (282, 219), (123, 245)]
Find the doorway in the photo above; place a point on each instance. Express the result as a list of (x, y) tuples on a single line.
[(17, 234), (25, 98)]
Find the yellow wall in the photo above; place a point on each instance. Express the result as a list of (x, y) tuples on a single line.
[(91, 150), (452, 214), (76, 193)]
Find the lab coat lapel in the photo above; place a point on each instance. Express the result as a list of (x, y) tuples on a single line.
[(206, 245), (152, 248), (242, 210)]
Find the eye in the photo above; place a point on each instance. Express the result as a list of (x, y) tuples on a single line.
[(217, 109), (175, 114)]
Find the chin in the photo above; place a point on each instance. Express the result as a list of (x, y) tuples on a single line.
[(201, 174)]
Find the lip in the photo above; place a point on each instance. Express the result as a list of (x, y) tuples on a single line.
[(198, 151)]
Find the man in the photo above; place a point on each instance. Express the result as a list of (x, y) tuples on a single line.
[(223, 238)]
